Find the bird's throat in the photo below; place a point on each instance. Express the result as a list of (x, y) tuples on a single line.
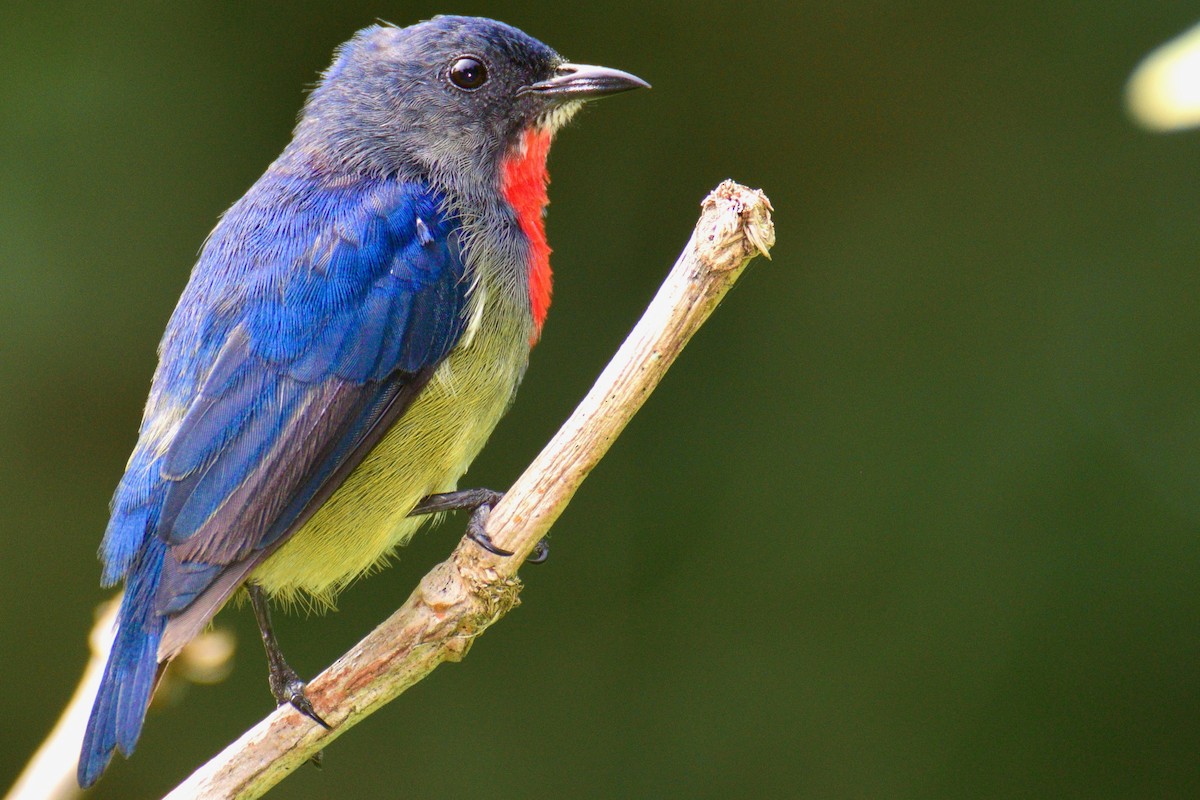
[(523, 180)]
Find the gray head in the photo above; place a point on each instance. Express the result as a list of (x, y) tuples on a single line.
[(442, 100)]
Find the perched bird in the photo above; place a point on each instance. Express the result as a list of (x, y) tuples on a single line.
[(353, 330)]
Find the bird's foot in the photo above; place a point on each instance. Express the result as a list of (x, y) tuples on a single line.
[(477, 532), (480, 503), (464, 500), (289, 689), (285, 684), (541, 551)]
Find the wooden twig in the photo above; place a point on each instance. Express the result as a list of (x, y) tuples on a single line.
[(461, 597), (465, 594)]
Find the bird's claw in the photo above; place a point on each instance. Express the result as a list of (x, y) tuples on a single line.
[(541, 551), (289, 689), (480, 503), (293, 694), (299, 701), (477, 534)]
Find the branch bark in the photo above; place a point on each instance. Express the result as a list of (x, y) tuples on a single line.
[(464, 595), (461, 597)]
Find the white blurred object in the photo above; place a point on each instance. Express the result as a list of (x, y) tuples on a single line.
[(1163, 94), (50, 774)]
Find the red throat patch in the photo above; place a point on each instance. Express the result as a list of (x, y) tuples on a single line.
[(523, 180)]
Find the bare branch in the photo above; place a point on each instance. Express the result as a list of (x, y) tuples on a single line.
[(461, 597), (465, 594)]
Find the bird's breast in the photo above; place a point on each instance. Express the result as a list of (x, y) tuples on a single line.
[(426, 451), (523, 183)]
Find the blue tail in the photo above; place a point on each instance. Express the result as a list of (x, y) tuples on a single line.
[(131, 673)]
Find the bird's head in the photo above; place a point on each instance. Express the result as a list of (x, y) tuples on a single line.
[(444, 100)]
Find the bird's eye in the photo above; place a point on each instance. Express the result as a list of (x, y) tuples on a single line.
[(468, 73)]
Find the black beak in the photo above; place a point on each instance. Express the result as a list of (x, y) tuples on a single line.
[(585, 82)]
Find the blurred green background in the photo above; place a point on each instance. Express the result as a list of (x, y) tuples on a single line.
[(914, 516)]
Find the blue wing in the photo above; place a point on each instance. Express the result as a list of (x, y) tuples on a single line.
[(314, 315)]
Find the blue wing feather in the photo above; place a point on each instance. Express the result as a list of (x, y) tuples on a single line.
[(315, 311), (354, 294)]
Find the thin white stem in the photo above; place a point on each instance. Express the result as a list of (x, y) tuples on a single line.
[(50, 774)]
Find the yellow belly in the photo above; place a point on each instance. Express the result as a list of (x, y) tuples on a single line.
[(425, 452)]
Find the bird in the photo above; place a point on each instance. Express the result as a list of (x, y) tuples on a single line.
[(352, 331)]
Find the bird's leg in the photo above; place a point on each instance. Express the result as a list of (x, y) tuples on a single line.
[(480, 503), (463, 500), (285, 683)]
